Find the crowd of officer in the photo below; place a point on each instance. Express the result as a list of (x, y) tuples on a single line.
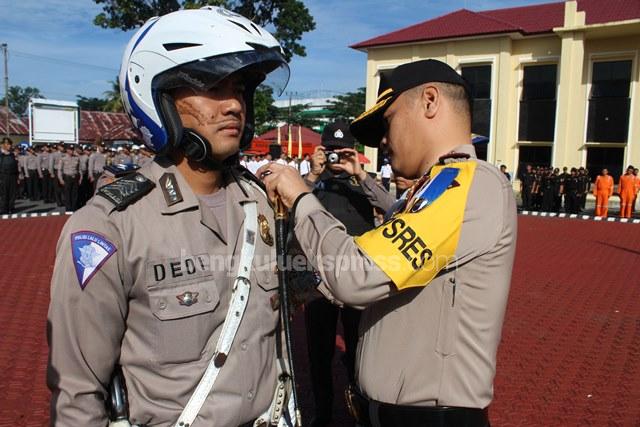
[(545, 189), (64, 174)]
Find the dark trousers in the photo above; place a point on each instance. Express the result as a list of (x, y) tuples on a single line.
[(321, 320), (386, 183), (571, 203), (46, 186), (70, 192), (58, 190), (8, 191), (33, 189), (526, 198), (548, 199)]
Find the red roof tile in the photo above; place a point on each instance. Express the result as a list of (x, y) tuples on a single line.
[(527, 20), (16, 125), (110, 126)]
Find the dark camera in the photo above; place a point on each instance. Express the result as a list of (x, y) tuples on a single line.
[(332, 157)]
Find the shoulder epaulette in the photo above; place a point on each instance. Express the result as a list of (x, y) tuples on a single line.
[(126, 190), (453, 157)]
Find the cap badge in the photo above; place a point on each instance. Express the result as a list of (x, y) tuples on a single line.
[(338, 134), (188, 298), (265, 231)]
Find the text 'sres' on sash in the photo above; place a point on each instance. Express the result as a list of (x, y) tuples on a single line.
[(416, 242)]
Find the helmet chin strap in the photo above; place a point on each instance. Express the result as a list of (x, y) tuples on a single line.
[(198, 149)]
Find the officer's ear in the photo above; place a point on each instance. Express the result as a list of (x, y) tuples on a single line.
[(430, 99)]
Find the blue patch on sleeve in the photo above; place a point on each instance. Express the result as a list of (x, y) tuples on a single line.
[(90, 251)]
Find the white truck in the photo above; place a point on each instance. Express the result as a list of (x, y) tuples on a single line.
[(53, 121)]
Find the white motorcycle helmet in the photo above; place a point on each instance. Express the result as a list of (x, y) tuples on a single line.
[(194, 48)]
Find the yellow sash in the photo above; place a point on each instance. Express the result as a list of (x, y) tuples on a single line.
[(412, 247)]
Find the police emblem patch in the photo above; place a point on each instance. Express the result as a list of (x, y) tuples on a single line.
[(90, 251)]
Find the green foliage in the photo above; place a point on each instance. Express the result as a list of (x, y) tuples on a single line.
[(289, 19), (348, 106), (19, 98), (113, 101), (90, 104), (265, 112), (298, 115)]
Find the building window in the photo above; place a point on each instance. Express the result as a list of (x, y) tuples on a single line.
[(538, 104), (534, 156), (609, 102), (479, 79), (610, 158)]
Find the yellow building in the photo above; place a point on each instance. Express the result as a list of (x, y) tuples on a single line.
[(553, 84)]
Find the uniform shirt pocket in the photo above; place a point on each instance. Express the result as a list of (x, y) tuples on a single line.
[(266, 276), (186, 316)]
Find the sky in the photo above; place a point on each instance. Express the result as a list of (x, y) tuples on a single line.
[(55, 47)]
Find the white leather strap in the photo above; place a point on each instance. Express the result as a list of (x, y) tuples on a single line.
[(237, 306)]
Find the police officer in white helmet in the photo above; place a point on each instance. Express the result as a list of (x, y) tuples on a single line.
[(168, 272)]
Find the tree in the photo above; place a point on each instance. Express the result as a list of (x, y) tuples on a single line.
[(90, 104), (289, 18), (348, 106), (19, 98), (298, 115), (264, 111), (113, 102)]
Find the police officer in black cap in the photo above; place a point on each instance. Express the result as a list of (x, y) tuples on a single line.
[(342, 195)]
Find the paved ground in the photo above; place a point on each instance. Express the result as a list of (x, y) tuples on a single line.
[(570, 354)]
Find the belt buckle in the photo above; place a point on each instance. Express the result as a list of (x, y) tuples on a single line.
[(349, 393)]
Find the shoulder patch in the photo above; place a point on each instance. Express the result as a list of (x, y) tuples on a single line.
[(127, 190), (90, 251)]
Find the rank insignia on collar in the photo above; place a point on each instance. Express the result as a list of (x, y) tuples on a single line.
[(188, 298), (170, 189), (90, 251), (265, 231)]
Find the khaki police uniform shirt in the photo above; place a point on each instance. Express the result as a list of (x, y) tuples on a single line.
[(97, 161), (54, 164), (130, 313), (84, 160), (31, 163), (43, 162), (434, 344), (68, 165)]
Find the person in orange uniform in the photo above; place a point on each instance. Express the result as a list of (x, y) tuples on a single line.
[(637, 187), (603, 189), (627, 191)]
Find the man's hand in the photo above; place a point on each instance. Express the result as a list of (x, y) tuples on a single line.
[(282, 181), (349, 163), (61, 182), (317, 161)]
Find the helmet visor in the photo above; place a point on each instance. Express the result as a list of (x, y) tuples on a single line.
[(260, 66)]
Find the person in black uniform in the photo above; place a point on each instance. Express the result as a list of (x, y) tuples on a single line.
[(561, 200), (571, 189), (527, 179), (548, 188), (342, 195), (558, 189), (8, 178), (583, 188)]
